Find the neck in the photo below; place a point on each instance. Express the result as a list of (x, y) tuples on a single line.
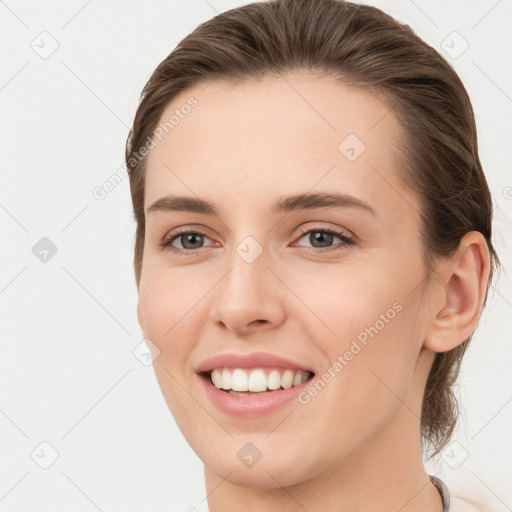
[(387, 473)]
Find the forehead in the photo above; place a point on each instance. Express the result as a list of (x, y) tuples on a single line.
[(292, 133)]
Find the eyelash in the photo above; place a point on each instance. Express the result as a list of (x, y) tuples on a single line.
[(166, 242)]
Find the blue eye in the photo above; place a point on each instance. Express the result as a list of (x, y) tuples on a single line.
[(186, 237), (191, 240), (326, 236)]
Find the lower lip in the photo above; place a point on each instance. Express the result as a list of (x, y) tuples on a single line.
[(247, 406)]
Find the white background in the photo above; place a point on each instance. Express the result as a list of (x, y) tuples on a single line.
[(68, 375)]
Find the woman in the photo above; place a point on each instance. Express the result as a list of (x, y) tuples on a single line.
[(312, 255)]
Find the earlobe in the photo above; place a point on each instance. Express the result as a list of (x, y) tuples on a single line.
[(464, 282)]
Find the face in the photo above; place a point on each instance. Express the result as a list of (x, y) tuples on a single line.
[(336, 289)]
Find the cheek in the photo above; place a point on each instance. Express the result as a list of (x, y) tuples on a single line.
[(169, 322), (370, 372), (349, 302), (372, 343), (168, 298)]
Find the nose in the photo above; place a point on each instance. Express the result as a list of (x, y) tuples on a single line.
[(249, 296)]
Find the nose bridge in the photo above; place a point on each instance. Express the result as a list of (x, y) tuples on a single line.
[(246, 293), (248, 264)]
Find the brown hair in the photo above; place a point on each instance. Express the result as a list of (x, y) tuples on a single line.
[(362, 46)]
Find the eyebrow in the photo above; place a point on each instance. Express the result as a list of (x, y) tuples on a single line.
[(307, 201)]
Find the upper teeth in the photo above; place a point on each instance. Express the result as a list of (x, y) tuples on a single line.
[(256, 379)]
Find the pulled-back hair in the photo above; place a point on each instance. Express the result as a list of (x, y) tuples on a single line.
[(361, 46)]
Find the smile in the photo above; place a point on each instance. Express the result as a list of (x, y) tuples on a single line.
[(251, 404), (256, 380)]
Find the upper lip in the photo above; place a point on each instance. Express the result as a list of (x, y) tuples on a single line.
[(254, 360)]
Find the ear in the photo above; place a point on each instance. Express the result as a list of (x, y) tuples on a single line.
[(462, 287)]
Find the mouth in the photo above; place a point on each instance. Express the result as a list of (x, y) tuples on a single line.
[(253, 385), (255, 381)]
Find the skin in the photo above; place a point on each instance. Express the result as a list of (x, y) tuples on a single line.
[(356, 445)]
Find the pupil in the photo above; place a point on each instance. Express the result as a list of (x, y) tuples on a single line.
[(190, 237), (320, 236)]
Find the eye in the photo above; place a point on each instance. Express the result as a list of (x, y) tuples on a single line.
[(188, 238), (321, 239)]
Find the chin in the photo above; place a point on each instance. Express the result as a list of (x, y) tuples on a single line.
[(271, 471), (258, 477)]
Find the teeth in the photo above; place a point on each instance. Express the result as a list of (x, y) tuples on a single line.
[(217, 378), (226, 379), (297, 379), (274, 380), (287, 379), (239, 380), (257, 379)]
